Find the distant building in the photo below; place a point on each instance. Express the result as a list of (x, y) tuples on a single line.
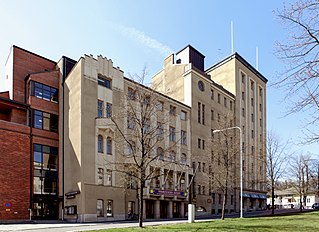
[(290, 198), (57, 116)]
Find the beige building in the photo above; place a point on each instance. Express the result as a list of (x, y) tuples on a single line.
[(233, 90), (94, 186), (189, 103)]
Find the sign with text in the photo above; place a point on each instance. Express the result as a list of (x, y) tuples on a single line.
[(168, 193)]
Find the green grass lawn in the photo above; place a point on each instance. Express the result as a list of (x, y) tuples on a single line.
[(298, 222)]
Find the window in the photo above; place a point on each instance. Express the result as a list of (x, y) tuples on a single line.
[(203, 114), (100, 208), (231, 105), (108, 110), (183, 137), (147, 100), (203, 190), (218, 117), (108, 177), (131, 147), (159, 130), (171, 156), (131, 94), (108, 146), (252, 134), (252, 149), (130, 121), (252, 85), (172, 134), (104, 81), (172, 110), (231, 199), (131, 208), (219, 198), (198, 112), (183, 158), (260, 107), (243, 96), (218, 98), (214, 198), (44, 92), (243, 78), (199, 167), (45, 121), (212, 96), (100, 176), (243, 112), (212, 115), (45, 163), (146, 125), (260, 122), (203, 142), (100, 144), (225, 102), (159, 106), (199, 143), (199, 188), (252, 117), (109, 208), (160, 153), (100, 109), (194, 166), (243, 147), (204, 166), (183, 115)]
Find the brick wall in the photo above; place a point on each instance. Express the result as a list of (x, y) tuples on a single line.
[(24, 63), (15, 171)]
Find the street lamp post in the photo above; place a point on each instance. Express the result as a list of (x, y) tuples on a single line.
[(241, 163)]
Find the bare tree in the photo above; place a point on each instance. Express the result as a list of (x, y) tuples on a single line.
[(300, 53), (276, 156), (301, 171), (225, 156), (140, 138)]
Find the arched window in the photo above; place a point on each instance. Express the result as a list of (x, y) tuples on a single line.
[(183, 158), (100, 144), (160, 153), (109, 146)]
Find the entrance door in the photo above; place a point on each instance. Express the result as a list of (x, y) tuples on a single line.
[(163, 208), (176, 206), (149, 208), (45, 210)]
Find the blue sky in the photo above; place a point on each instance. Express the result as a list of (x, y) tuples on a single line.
[(142, 32)]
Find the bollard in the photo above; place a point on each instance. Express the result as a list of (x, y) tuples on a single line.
[(191, 213)]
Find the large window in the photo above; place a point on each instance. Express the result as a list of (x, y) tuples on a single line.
[(45, 121), (108, 146), (100, 176), (183, 137), (100, 208), (100, 108), (108, 177), (109, 208), (108, 109), (172, 134), (45, 161), (104, 81), (44, 92), (100, 144)]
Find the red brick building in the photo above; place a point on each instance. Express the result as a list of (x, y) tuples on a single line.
[(29, 140)]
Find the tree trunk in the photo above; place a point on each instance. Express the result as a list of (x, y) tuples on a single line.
[(272, 199), (141, 205), (224, 205)]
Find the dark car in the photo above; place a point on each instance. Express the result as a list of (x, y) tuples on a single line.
[(315, 206)]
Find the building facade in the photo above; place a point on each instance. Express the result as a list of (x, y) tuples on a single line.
[(30, 141), (81, 119)]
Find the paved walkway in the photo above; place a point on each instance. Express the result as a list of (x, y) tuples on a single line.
[(59, 226)]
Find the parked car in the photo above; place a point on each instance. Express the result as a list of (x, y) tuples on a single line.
[(315, 206)]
